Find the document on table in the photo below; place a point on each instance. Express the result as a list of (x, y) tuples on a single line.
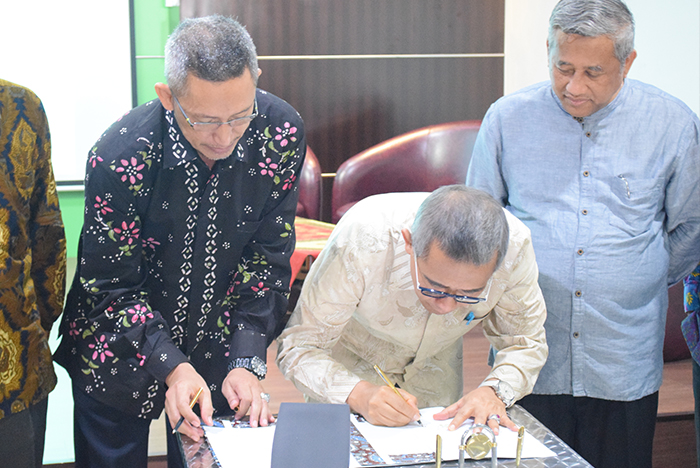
[(412, 444), (240, 445)]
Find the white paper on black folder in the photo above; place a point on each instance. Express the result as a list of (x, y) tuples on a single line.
[(370, 446)]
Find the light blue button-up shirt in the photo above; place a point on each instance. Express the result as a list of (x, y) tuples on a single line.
[(613, 203)]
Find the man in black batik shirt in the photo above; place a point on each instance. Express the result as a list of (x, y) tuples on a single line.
[(183, 269)]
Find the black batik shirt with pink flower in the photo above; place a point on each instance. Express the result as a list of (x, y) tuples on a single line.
[(177, 262)]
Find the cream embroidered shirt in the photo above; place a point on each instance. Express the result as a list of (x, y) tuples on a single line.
[(358, 307)]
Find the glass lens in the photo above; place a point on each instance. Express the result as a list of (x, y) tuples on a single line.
[(467, 299), (214, 126), (432, 293)]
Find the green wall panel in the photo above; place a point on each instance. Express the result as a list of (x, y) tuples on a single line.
[(72, 207), (153, 23)]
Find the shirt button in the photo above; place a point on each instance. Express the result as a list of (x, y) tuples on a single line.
[(585, 212), (588, 134), (586, 173), (577, 293), (576, 335), (579, 251)]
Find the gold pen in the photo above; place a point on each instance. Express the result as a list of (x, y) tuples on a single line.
[(438, 451), (192, 403), (388, 384), (519, 449)]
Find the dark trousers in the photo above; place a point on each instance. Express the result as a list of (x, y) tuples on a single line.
[(696, 392), (22, 437), (108, 438), (608, 434)]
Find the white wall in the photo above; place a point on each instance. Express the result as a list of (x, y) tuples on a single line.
[(667, 42), (75, 55)]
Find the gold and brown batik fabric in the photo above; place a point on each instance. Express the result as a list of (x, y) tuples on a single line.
[(32, 251)]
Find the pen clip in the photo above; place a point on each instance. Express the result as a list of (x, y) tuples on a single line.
[(469, 318)]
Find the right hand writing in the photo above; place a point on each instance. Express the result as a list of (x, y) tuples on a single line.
[(381, 406), (183, 384)]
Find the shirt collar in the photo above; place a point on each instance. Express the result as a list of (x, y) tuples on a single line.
[(602, 113)]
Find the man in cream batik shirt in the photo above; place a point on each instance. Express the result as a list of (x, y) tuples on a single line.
[(403, 277)]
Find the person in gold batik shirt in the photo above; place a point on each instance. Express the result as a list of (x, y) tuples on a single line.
[(32, 274)]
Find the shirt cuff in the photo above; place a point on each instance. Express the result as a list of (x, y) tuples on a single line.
[(248, 343), (341, 389), (163, 360)]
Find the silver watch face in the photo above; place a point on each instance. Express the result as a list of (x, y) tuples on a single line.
[(259, 366), (505, 392)]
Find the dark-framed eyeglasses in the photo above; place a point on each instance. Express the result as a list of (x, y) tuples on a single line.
[(211, 127), (435, 294)]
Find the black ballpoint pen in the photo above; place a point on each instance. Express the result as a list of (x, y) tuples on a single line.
[(192, 403)]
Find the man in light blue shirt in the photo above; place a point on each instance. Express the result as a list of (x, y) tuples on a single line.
[(604, 170)]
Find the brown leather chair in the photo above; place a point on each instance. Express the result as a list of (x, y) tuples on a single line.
[(425, 159), (418, 161), (310, 190)]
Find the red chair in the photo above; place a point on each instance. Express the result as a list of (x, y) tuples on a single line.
[(418, 161), (310, 190)]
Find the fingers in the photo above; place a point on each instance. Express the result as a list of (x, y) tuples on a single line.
[(481, 403), (381, 406), (206, 408), (448, 412), (387, 408), (183, 385), (410, 399), (494, 421), (462, 415), (507, 422), (243, 392), (259, 411)]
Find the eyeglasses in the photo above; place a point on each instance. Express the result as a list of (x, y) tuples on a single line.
[(435, 294), (211, 127)]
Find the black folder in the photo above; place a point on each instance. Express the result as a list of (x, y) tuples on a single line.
[(309, 435)]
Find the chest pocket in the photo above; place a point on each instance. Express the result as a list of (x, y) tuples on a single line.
[(635, 203), (242, 233)]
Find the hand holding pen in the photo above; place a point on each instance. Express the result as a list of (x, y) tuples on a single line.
[(378, 404), (394, 387), (185, 389), (192, 403)]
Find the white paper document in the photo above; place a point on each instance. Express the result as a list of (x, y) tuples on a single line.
[(416, 444), (241, 447), (370, 445)]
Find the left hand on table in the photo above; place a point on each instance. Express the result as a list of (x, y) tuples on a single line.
[(479, 404), (242, 389)]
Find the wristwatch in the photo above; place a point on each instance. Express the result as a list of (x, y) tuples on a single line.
[(503, 390), (253, 364)]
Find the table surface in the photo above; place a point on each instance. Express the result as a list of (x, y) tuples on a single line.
[(198, 455)]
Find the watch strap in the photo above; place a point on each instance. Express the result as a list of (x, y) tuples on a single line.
[(504, 391), (253, 364)]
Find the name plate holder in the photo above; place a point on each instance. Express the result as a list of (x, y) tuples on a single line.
[(478, 444)]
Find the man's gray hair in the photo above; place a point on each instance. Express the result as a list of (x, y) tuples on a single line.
[(594, 18), (213, 48), (468, 225)]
